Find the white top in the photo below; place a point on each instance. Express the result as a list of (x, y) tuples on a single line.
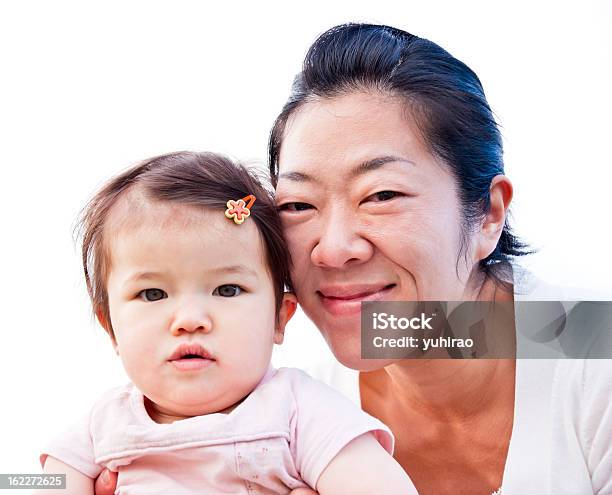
[(562, 433), (561, 440)]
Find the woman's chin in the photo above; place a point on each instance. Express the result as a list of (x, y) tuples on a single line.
[(350, 356), (368, 364)]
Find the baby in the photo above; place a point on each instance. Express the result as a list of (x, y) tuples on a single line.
[(186, 267)]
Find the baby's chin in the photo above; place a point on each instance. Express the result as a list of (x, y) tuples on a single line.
[(164, 412)]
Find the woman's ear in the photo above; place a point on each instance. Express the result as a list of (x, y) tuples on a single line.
[(107, 327), (287, 310), (500, 196)]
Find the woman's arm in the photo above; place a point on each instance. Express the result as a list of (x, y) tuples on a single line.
[(76, 482), (106, 483), (363, 466)]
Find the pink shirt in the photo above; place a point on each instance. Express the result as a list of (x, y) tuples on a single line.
[(281, 437)]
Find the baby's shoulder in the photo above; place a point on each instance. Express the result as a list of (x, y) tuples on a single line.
[(120, 393), (293, 380), (288, 374), (303, 388), (113, 404)]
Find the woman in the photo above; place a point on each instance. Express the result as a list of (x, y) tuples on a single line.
[(388, 169)]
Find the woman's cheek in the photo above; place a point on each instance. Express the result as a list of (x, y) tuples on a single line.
[(299, 242)]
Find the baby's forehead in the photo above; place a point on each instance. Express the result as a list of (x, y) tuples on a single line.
[(161, 222), (136, 210)]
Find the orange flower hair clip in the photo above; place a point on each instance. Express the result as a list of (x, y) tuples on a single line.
[(239, 210)]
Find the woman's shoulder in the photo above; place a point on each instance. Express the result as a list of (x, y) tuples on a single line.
[(529, 286), (560, 322), (582, 422), (562, 426), (584, 388)]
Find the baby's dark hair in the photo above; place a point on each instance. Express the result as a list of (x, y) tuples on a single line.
[(205, 180)]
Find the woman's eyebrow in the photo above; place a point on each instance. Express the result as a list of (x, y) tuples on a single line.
[(297, 177), (362, 168), (376, 163)]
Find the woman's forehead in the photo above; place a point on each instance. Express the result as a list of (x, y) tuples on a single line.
[(348, 134)]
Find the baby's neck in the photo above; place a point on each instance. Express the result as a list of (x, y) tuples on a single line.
[(164, 416)]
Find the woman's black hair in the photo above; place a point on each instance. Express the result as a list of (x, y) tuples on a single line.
[(444, 96)]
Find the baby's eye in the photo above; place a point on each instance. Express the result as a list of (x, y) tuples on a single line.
[(227, 290), (295, 206), (152, 294), (382, 196)]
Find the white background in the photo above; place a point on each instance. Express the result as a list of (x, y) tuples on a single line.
[(89, 88)]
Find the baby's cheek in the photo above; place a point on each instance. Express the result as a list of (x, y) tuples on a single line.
[(248, 362), (137, 354), (133, 363)]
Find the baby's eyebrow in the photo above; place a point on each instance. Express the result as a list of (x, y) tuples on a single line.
[(143, 276), (234, 269), (224, 269)]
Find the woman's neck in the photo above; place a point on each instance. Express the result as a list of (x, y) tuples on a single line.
[(451, 390), (455, 389)]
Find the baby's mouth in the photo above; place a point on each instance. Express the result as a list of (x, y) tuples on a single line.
[(190, 350), (191, 356)]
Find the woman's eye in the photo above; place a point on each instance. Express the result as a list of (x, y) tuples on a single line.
[(382, 196), (295, 206), (227, 290), (152, 294)]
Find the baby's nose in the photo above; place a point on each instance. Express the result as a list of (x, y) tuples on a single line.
[(191, 319)]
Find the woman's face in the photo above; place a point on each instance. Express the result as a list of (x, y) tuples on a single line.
[(369, 214)]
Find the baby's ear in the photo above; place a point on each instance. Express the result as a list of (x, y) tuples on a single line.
[(287, 310), (107, 327)]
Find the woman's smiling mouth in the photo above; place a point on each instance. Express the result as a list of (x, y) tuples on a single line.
[(346, 300)]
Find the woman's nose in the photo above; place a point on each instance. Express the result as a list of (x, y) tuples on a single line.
[(339, 242), (191, 317)]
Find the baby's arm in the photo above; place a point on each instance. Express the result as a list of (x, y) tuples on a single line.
[(363, 466), (76, 482)]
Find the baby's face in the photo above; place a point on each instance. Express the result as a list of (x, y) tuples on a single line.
[(192, 307)]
